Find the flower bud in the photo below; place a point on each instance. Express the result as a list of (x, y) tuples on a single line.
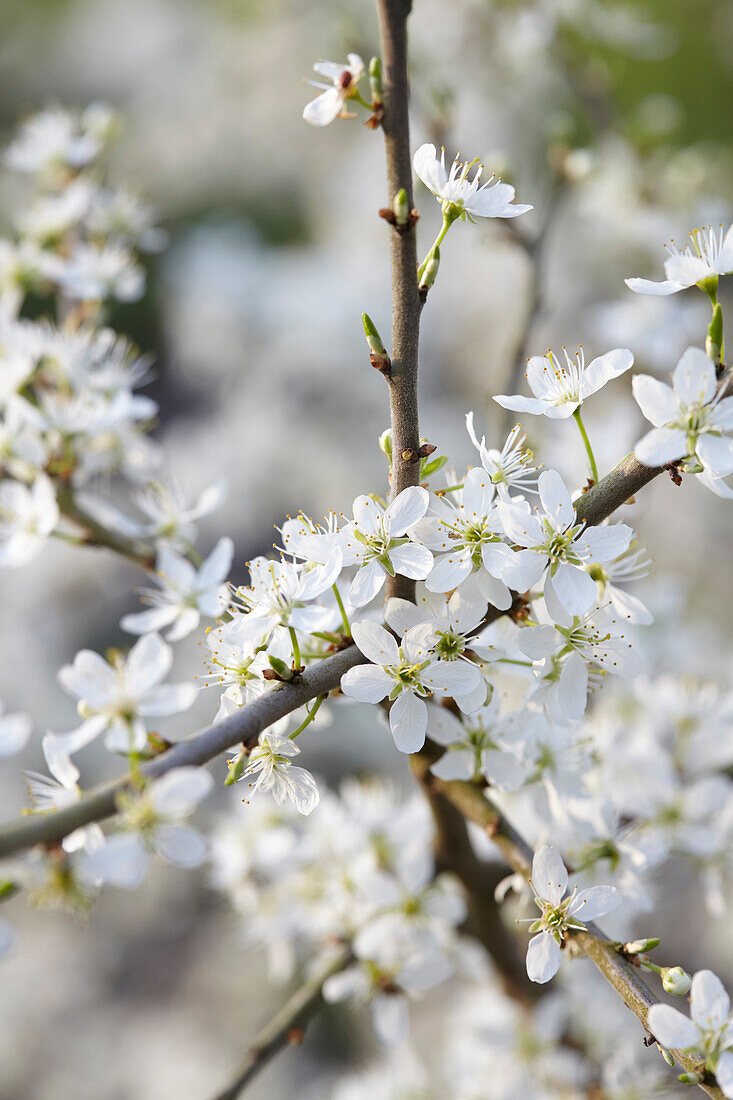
[(675, 981), (401, 207), (430, 268), (374, 340), (690, 1078), (375, 82), (639, 947), (236, 769), (280, 669), (385, 443)]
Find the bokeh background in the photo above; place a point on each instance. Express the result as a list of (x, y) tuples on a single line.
[(614, 120)]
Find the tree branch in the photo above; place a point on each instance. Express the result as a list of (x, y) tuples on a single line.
[(243, 726), (472, 801), (403, 248), (287, 1026), (94, 534)]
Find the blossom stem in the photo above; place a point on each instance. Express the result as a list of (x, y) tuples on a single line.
[(512, 661), (310, 716), (342, 609), (447, 223), (296, 647), (589, 450), (359, 98)]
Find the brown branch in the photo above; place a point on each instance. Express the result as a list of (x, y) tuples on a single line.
[(96, 535), (244, 727), (287, 1026), (471, 801), (406, 306)]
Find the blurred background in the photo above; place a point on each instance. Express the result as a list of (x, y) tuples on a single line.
[(613, 120)]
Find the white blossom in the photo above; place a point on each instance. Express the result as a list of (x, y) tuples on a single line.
[(463, 197), (377, 541), (559, 389), (270, 761), (709, 255), (28, 516), (690, 419), (185, 593), (408, 675), (116, 695), (560, 914), (331, 103), (510, 468), (709, 1028)]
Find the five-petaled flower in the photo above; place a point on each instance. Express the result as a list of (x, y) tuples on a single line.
[(461, 197), (377, 541), (709, 256), (690, 419), (559, 389), (710, 1030), (560, 914), (331, 103), (407, 674)]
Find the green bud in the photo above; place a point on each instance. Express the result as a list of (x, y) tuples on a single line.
[(283, 671), (7, 889), (690, 1078), (429, 270), (236, 769), (385, 443), (667, 1055), (638, 947), (714, 341), (375, 81), (401, 207), (676, 981), (374, 340)]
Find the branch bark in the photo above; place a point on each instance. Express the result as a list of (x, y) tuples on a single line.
[(406, 306), (471, 801), (287, 1026), (243, 727)]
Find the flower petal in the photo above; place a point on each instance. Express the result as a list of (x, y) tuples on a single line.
[(549, 874), (670, 1028), (543, 958), (660, 446), (408, 720)]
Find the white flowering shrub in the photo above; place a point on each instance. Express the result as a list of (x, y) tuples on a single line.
[(482, 613)]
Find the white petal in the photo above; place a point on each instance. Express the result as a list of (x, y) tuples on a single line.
[(603, 369), (449, 571), (412, 561), (599, 544), (670, 1028), (724, 1072), (524, 569), (452, 677), (594, 902), (443, 727), (402, 615), (647, 286), (407, 508), (122, 861), (146, 622), (537, 642), (549, 874), (168, 699), (148, 662), (15, 729), (660, 446), (390, 1018), (324, 109), (454, 765), (709, 1000), (376, 643), (556, 498), (543, 958), (655, 399), (716, 452), (408, 719), (366, 683), (572, 688), (180, 845), (574, 588), (517, 403), (215, 568), (429, 168), (694, 378), (367, 583), (179, 792)]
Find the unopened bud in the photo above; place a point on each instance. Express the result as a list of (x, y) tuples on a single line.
[(375, 81), (638, 947), (676, 981), (385, 443), (374, 340), (280, 669), (429, 270), (401, 207), (714, 340), (690, 1078), (667, 1055), (236, 769)]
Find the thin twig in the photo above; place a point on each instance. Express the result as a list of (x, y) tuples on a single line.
[(96, 535), (471, 800), (406, 306), (287, 1026)]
